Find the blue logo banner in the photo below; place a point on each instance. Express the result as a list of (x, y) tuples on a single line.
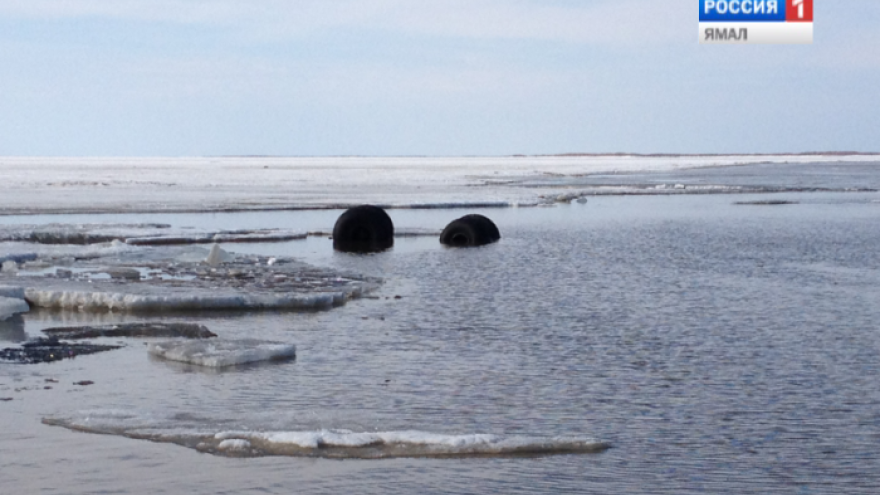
[(742, 10)]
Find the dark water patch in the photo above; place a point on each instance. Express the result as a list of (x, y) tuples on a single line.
[(47, 350), (767, 202), (12, 329), (140, 329)]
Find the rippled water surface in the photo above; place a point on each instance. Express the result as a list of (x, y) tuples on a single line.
[(719, 348)]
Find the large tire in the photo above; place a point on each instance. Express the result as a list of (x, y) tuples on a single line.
[(363, 229), (470, 231), (488, 226)]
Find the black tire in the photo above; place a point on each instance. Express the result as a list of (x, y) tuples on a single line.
[(363, 229), (470, 231), (488, 226)]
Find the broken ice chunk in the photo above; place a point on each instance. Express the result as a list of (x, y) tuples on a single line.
[(221, 353), (10, 306), (12, 291), (217, 255)]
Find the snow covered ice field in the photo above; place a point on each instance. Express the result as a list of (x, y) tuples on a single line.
[(102, 185), (715, 346)]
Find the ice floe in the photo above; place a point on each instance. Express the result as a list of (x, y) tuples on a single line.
[(12, 291), (177, 278), (185, 301), (21, 253), (62, 233), (635, 189), (141, 234), (163, 273), (262, 235), (11, 306), (216, 353), (336, 443), (217, 255)]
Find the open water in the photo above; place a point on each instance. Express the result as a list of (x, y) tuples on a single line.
[(719, 348)]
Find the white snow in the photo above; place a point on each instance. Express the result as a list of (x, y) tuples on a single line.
[(345, 438), (216, 353), (87, 184), (10, 306), (234, 445), (417, 443)]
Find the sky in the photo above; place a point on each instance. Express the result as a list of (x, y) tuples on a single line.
[(424, 77)]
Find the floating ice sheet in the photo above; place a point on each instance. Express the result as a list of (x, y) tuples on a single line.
[(12, 291), (184, 301), (176, 278), (222, 353), (337, 443), (135, 234), (22, 252), (61, 233), (263, 235), (10, 306)]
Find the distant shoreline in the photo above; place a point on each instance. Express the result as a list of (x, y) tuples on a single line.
[(573, 154), (568, 155)]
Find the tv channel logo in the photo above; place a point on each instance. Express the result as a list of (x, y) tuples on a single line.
[(756, 21)]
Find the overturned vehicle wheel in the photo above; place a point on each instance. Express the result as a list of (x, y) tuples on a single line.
[(469, 231), (363, 229)]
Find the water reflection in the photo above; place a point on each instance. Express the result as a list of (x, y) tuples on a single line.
[(12, 329)]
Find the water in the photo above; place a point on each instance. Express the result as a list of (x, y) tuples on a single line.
[(760, 176), (719, 348)]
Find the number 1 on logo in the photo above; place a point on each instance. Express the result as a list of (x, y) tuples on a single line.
[(799, 11)]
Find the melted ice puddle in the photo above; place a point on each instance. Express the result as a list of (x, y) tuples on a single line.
[(336, 444)]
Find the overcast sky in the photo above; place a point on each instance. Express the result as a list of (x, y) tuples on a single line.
[(424, 77)]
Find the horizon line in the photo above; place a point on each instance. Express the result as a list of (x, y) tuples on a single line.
[(513, 155)]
